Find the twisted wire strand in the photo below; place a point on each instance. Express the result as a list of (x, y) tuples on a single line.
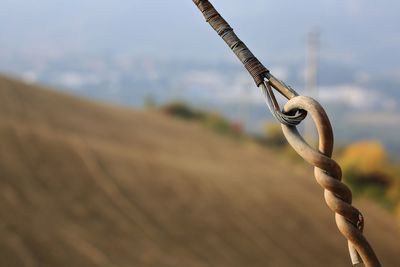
[(328, 174)]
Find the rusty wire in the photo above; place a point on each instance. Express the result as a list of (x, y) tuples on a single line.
[(327, 172)]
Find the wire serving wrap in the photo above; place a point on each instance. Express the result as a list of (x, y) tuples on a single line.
[(219, 24), (328, 174)]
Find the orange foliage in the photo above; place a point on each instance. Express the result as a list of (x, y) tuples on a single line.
[(366, 157)]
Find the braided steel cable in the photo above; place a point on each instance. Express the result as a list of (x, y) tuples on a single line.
[(328, 174)]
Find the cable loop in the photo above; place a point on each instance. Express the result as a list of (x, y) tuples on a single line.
[(328, 174), (292, 118)]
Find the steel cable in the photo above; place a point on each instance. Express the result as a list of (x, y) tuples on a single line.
[(327, 172)]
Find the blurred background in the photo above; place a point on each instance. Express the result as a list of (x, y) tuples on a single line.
[(131, 135)]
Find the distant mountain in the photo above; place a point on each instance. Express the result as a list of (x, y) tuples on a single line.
[(89, 184)]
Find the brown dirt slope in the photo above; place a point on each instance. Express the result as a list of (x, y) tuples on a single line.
[(87, 184)]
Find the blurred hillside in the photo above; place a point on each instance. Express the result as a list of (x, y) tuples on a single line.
[(88, 184)]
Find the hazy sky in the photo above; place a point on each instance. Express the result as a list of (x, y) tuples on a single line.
[(364, 33)]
